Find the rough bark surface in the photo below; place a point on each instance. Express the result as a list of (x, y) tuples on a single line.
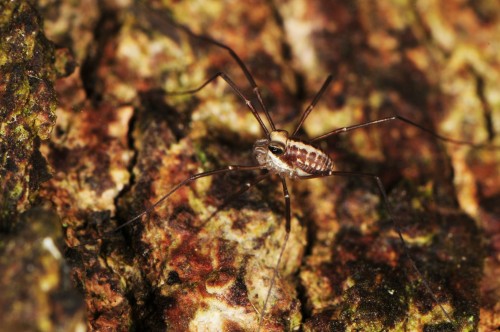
[(122, 140)]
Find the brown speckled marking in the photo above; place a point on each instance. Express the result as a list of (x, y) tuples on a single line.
[(307, 158)]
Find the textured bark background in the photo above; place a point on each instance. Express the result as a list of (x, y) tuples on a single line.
[(121, 142)]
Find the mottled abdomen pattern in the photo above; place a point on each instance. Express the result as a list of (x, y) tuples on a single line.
[(308, 159)]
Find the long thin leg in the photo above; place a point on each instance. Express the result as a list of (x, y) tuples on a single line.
[(287, 235), (309, 108), (240, 63), (388, 207), (230, 198), (235, 89), (245, 70), (404, 120), (230, 168)]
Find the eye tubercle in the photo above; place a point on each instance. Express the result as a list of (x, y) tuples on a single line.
[(276, 150)]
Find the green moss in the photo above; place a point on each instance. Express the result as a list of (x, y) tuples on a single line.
[(17, 191), (28, 106), (21, 134)]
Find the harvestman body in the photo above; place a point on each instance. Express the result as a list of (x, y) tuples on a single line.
[(286, 156), (290, 158)]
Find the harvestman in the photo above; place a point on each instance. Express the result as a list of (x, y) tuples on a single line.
[(285, 156)]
